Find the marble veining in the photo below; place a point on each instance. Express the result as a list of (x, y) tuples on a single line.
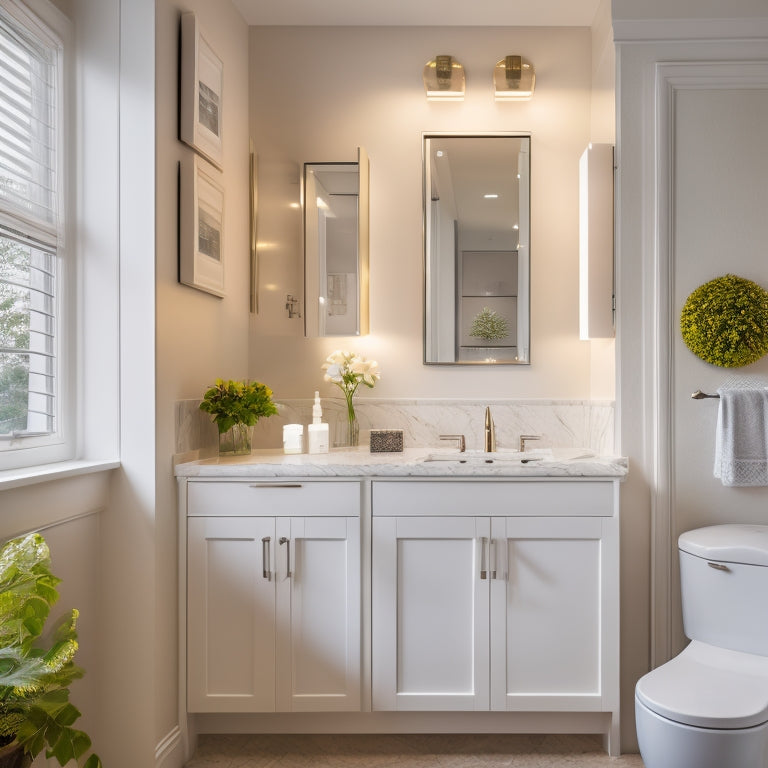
[(412, 462), (562, 423)]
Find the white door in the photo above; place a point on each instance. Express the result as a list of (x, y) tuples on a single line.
[(430, 613), (546, 614), (231, 614), (318, 610)]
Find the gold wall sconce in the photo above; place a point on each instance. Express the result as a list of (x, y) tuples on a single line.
[(514, 79), (444, 79)]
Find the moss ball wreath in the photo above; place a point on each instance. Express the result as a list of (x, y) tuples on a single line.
[(725, 322)]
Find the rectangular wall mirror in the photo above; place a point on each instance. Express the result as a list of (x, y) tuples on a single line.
[(476, 249), (336, 248)]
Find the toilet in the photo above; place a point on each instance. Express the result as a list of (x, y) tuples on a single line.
[(708, 707)]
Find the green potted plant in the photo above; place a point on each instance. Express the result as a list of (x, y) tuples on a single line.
[(236, 406), (35, 673), (489, 325)]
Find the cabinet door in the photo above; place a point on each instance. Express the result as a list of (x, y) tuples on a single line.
[(547, 613), (318, 609), (430, 613), (231, 615)]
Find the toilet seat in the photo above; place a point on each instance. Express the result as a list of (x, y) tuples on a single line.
[(709, 687)]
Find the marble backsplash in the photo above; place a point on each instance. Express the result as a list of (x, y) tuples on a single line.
[(562, 423)]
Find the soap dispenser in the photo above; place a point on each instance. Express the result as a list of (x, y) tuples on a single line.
[(318, 429)]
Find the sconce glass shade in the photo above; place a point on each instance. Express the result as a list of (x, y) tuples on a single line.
[(514, 79), (444, 79)]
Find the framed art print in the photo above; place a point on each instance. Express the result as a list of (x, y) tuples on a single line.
[(202, 81), (201, 237)]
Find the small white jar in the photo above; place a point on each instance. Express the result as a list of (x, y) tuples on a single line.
[(293, 438)]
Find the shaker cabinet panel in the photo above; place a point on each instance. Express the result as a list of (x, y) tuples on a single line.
[(318, 609), (546, 611), (430, 614), (231, 615)]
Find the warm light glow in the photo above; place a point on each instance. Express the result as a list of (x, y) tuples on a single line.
[(514, 79), (444, 79), (490, 197), (294, 205), (263, 245)]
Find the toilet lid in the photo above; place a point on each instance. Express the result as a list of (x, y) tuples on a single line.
[(709, 687)]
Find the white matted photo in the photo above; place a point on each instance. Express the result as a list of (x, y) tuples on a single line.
[(201, 237), (202, 82)]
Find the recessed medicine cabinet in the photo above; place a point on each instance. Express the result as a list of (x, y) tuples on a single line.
[(476, 248), (336, 247)]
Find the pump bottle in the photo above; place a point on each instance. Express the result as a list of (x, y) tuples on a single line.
[(318, 429)]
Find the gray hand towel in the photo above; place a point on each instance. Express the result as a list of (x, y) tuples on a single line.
[(741, 440)]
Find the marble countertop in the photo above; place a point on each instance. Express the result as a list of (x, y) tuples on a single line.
[(412, 462)]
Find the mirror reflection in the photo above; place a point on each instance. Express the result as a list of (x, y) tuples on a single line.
[(335, 248), (476, 249)]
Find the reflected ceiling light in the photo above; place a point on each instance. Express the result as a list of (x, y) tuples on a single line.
[(444, 79), (490, 197), (514, 79)]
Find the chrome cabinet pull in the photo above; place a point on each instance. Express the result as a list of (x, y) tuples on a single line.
[(275, 485), (483, 558), (266, 571), (718, 566), (287, 542), (493, 558)]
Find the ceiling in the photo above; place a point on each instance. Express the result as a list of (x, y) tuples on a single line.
[(505, 13)]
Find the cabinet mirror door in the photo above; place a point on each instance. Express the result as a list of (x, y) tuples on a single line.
[(476, 249), (336, 247)]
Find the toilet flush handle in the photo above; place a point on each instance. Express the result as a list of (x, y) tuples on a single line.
[(718, 566)]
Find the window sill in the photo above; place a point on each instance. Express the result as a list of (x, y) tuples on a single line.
[(15, 478)]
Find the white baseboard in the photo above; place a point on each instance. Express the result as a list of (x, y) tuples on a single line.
[(168, 745)]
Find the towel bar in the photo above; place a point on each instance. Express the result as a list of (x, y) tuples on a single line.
[(699, 395)]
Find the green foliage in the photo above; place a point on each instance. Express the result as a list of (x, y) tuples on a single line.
[(725, 322), (236, 402), (14, 334), (34, 680), (489, 325)]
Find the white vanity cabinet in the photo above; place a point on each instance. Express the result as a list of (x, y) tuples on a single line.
[(494, 595), (273, 596)]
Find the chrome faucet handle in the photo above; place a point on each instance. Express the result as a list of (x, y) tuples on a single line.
[(460, 441), (525, 438)]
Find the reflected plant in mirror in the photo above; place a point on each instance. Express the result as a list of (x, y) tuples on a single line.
[(476, 249)]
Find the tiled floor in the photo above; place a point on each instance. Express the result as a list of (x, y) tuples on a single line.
[(400, 751)]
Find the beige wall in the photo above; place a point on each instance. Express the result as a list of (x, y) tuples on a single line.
[(316, 94), (199, 336)]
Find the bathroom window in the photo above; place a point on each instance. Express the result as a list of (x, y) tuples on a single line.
[(33, 318)]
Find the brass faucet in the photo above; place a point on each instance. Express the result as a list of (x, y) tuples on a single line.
[(490, 432), (525, 438)]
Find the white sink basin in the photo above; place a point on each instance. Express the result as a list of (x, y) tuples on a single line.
[(483, 457), (518, 457)]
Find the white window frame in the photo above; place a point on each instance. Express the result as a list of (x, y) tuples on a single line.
[(54, 29)]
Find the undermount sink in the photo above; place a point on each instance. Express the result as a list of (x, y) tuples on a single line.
[(490, 457), (511, 456)]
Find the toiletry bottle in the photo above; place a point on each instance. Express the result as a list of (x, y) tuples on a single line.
[(318, 429), (293, 438)]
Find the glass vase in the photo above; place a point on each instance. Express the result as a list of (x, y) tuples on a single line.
[(347, 427), (236, 441)]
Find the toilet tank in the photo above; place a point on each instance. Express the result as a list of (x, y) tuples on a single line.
[(724, 584)]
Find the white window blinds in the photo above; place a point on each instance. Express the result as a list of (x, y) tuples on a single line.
[(30, 95), (28, 130)]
